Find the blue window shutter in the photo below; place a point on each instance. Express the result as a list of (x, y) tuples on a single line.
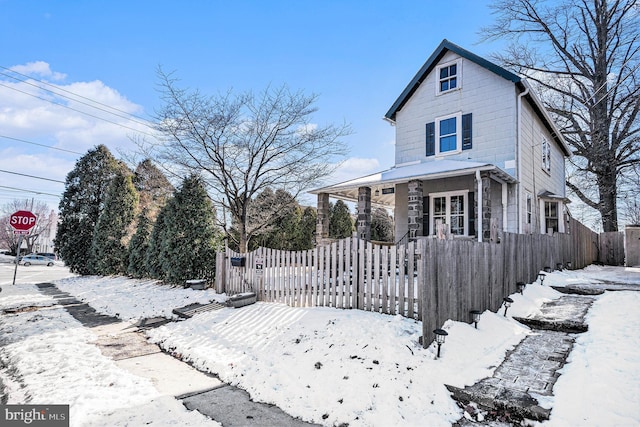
[(431, 139), (466, 132)]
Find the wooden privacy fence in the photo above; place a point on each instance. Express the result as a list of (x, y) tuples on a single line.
[(430, 279)]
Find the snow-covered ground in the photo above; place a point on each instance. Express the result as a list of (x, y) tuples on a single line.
[(323, 365)]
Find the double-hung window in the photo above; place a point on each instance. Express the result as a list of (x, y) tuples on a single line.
[(551, 216), (449, 134), (449, 76)]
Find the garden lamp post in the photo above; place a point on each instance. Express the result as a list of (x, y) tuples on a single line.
[(476, 317), (521, 286), (441, 334), (541, 276), (507, 303)]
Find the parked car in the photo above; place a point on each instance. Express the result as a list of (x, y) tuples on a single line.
[(33, 259), (48, 255)]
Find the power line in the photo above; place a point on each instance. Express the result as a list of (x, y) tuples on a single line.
[(40, 145), (30, 191), (32, 176), (78, 111), (128, 116)]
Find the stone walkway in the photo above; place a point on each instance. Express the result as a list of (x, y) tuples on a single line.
[(531, 369), (128, 347)]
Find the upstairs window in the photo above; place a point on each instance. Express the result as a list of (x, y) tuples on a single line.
[(448, 77), (449, 135), (546, 155)]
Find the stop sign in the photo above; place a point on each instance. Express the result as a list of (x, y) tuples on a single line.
[(23, 221)]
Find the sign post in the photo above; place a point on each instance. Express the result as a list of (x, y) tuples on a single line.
[(22, 223)]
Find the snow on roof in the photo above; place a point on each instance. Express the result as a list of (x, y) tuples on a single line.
[(441, 168)]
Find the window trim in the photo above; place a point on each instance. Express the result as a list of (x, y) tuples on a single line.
[(529, 208), (438, 120), (448, 195), (458, 64), (546, 155), (544, 218)]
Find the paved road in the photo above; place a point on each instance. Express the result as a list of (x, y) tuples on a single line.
[(32, 274)]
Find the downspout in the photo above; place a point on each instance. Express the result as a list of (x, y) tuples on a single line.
[(479, 210), (519, 159)]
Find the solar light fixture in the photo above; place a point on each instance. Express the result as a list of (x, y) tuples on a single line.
[(559, 266), (441, 334), (521, 286), (547, 269), (476, 317), (568, 265), (506, 301), (541, 276)]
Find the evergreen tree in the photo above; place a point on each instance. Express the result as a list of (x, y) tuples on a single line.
[(191, 238), (153, 186), (139, 245), (381, 226), (83, 200), (340, 221), (108, 248), (306, 229), (153, 257)]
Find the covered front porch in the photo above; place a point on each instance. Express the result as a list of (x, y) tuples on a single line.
[(461, 198)]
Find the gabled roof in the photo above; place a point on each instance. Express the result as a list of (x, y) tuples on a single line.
[(433, 60), (446, 46)]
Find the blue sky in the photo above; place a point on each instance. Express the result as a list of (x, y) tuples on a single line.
[(356, 55)]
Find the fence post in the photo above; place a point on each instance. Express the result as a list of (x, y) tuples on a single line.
[(221, 271)]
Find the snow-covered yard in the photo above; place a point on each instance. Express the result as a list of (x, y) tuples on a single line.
[(320, 364)]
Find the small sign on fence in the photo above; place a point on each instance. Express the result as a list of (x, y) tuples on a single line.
[(259, 266)]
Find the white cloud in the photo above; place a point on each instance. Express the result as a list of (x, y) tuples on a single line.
[(38, 68), (354, 167), (31, 112)]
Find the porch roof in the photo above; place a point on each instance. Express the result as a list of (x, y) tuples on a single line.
[(425, 171)]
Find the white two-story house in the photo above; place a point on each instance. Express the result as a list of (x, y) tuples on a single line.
[(475, 150)]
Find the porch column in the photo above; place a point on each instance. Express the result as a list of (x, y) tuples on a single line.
[(486, 206), (364, 213), (415, 209), (322, 222)]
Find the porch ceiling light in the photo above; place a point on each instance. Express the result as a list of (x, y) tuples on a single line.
[(475, 314), (521, 286), (506, 301), (441, 334)]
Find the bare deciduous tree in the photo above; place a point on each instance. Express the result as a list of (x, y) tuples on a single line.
[(243, 144), (584, 55)]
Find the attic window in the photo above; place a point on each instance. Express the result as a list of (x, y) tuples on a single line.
[(448, 77)]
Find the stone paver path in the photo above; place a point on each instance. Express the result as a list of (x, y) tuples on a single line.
[(531, 369)]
